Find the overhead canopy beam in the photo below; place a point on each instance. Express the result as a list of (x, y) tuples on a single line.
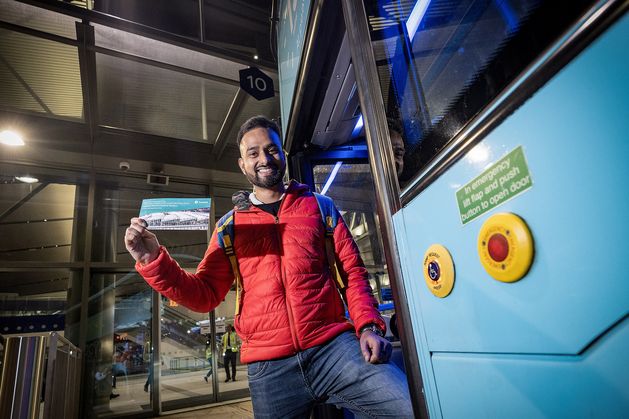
[(22, 201), (228, 123)]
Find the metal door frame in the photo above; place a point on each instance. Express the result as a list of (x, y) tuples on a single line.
[(385, 178)]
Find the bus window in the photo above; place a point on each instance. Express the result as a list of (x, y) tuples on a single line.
[(441, 63)]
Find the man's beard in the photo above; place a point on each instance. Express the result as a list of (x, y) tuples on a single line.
[(268, 181)]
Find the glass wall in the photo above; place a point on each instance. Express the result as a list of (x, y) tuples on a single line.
[(37, 300), (223, 317), (185, 357), (120, 198), (119, 344), (183, 16), (221, 24), (83, 108), (40, 75), (145, 98), (38, 221)]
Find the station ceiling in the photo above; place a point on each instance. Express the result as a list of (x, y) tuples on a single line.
[(152, 82), (90, 84)]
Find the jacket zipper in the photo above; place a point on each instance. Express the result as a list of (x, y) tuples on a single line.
[(289, 309)]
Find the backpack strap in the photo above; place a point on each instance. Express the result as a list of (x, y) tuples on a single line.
[(330, 217), (225, 238)]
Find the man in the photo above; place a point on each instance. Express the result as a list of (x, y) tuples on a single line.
[(397, 143), (299, 347), (230, 350)]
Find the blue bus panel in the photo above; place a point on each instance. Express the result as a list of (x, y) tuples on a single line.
[(555, 343)]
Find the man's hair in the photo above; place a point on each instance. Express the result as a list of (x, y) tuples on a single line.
[(258, 121), (395, 124)]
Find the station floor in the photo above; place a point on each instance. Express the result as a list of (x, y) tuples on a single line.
[(131, 396), (238, 410)]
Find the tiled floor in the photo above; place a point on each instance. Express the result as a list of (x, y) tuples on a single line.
[(240, 410)]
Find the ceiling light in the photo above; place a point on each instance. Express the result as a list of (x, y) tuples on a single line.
[(255, 57), (11, 138), (27, 179)]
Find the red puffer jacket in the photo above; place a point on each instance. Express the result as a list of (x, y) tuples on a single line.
[(289, 300)]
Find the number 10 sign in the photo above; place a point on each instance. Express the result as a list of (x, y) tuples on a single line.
[(256, 83)]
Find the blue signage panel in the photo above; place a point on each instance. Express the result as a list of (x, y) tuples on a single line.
[(290, 44)]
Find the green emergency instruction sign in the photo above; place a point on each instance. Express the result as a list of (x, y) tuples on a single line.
[(503, 180)]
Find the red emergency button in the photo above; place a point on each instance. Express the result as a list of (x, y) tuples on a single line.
[(505, 247), (498, 247)]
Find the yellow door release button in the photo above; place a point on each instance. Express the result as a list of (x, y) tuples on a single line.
[(505, 247), (438, 270)]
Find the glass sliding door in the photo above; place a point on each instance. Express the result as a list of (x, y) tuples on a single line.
[(192, 356), (185, 362), (224, 317), (118, 353)]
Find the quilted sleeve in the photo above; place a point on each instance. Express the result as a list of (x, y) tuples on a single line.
[(363, 307), (201, 291)]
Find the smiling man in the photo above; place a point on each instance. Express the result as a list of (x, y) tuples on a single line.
[(299, 347)]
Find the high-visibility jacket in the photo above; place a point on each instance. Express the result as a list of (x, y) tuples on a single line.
[(230, 342), (289, 300)]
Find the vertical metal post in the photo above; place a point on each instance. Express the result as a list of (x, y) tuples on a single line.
[(87, 66), (385, 179), (203, 95), (201, 22), (213, 312), (203, 112), (85, 36), (215, 355), (156, 334)]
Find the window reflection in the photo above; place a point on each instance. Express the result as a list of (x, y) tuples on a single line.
[(39, 221), (353, 193), (118, 350), (119, 199), (431, 54), (51, 70)]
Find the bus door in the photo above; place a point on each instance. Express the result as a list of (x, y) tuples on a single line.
[(343, 174), (512, 231)]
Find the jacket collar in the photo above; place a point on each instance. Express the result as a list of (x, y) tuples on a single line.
[(294, 189)]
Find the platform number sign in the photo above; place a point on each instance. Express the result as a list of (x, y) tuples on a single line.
[(256, 83)]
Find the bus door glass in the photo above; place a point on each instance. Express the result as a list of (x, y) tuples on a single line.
[(350, 184), (433, 61)]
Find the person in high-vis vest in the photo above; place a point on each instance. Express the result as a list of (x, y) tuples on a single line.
[(230, 352)]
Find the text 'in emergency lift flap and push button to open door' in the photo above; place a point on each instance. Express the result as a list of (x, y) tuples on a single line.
[(505, 247)]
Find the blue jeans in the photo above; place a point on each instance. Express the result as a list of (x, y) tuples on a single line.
[(334, 373)]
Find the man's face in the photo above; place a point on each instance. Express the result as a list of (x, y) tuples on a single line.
[(261, 158), (398, 151)]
